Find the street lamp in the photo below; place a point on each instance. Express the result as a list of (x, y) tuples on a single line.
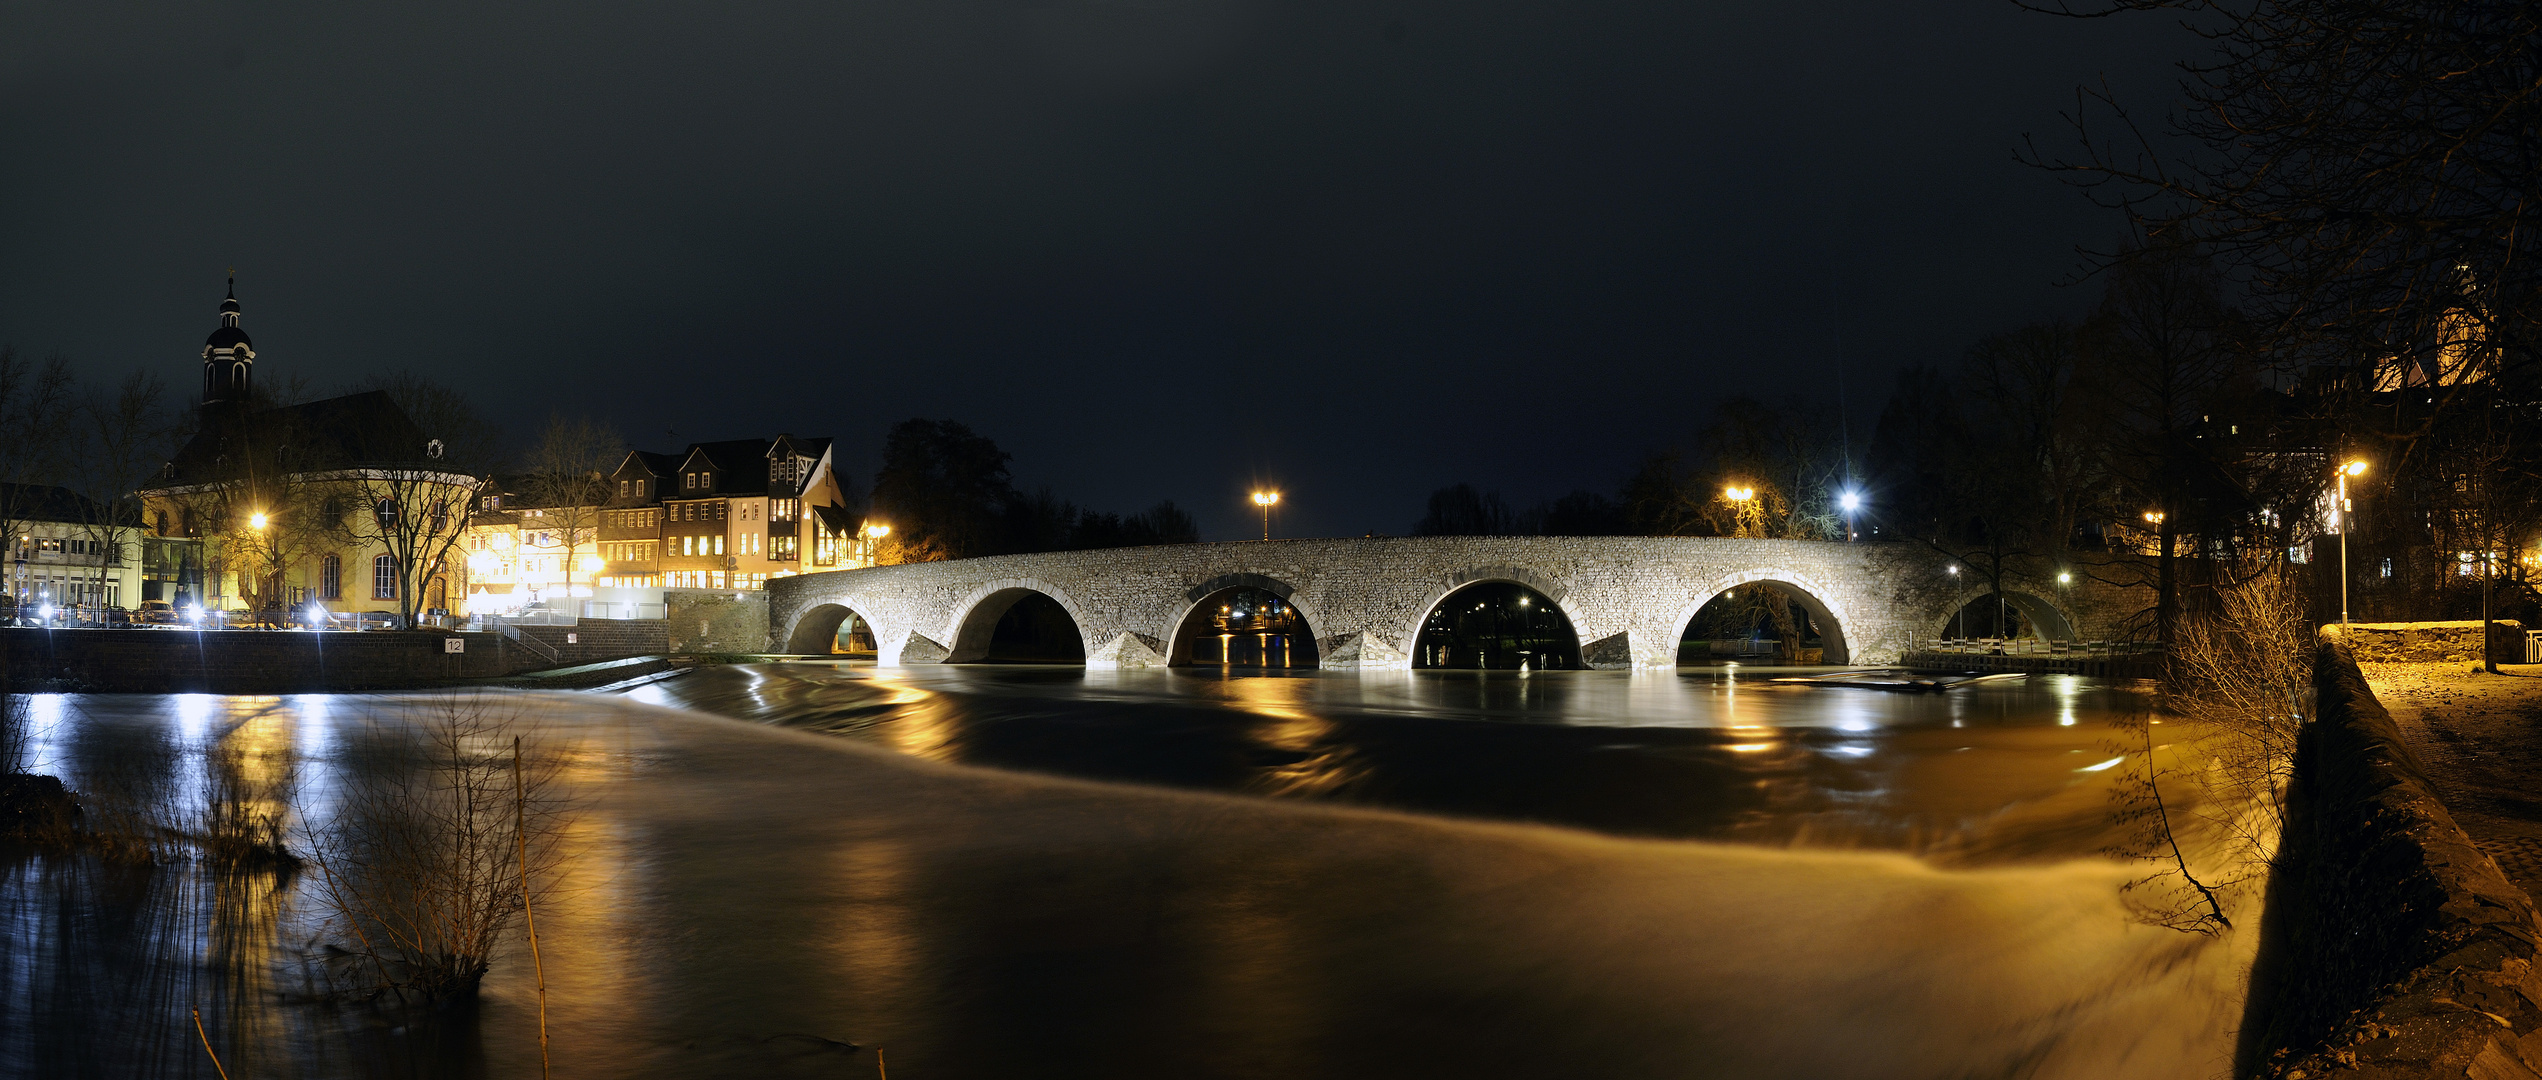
[(256, 520), (1266, 500), (2353, 468), (1850, 501)]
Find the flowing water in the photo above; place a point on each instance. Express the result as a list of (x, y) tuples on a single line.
[(1010, 871)]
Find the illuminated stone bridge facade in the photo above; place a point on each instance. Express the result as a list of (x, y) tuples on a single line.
[(1629, 599)]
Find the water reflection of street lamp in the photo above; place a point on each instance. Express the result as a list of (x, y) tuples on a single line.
[(2353, 468), (1266, 500)]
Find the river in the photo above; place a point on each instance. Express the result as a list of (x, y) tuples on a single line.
[(1006, 871)]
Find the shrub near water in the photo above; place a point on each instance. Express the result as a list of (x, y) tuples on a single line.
[(421, 867)]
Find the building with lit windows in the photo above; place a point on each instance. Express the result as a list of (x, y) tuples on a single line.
[(341, 505), (727, 516), (68, 551)]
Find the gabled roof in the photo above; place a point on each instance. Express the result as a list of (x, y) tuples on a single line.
[(835, 519), (49, 502), (807, 446), (648, 463), (740, 467), (353, 431)]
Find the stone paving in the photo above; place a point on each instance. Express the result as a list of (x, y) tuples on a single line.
[(2480, 738)]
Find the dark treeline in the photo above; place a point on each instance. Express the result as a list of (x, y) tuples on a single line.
[(946, 492)]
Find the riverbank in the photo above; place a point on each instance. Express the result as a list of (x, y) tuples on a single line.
[(2480, 738)]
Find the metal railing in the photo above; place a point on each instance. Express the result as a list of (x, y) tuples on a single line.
[(504, 625)]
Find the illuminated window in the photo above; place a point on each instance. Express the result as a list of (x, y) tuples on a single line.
[(331, 578), (383, 577)]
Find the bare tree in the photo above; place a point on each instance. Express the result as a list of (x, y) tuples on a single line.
[(414, 504), (2356, 162), (124, 434), (567, 476), (437, 844), (33, 402)]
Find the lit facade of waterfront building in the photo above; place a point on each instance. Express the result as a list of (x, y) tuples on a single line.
[(67, 549), (343, 504)]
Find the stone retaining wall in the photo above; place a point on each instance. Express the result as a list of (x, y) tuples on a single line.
[(249, 661), (290, 661), (2392, 946), (717, 621), (2427, 642)]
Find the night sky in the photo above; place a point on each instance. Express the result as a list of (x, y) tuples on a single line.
[(1156, 249)]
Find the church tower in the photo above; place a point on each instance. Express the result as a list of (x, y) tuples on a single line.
[(228, 360)]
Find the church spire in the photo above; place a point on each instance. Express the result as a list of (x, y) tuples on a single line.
[(228, 357)]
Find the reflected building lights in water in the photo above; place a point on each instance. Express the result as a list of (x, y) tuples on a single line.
[(194, 714)]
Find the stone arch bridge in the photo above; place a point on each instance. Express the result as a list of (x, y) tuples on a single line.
[(1628, 599)]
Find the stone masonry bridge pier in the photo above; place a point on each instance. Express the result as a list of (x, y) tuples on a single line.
[(1628, 599)]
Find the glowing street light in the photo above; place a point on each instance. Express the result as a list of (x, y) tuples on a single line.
[(877, 530), (1739, 494), (256, 520), (592, 564), (1266, 500), (1850, 501), (2353, 468)]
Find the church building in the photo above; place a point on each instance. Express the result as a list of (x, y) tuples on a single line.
[(311, 509)]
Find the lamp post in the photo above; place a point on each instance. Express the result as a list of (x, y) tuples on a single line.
[(1851, 501), (1742, 500), (2353, 468), (1266, 500), (875, 531)]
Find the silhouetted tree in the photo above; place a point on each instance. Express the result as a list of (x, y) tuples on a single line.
[(1463, 511), (944, 489)]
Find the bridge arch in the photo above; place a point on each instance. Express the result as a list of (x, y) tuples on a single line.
[(816, 629), (974, 628), (1181, 633), (2050, 620), (1567, 643), (1812, 596)]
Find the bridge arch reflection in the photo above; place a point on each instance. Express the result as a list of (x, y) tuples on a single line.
[(1019, 623), (1810, 611), (1496, 624), (832, 630), (1245, 624)]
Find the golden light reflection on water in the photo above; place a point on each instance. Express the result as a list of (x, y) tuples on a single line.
[(873, 933), (923, 727)]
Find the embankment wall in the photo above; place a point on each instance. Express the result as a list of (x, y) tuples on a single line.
[(284, 661), (2392, 946), (2428, 642)]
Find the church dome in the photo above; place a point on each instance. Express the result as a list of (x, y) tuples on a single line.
[(228, 335)]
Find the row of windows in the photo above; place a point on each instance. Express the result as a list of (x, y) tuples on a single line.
[(383, 578), (633, 519), (56, 545), (698, 511), (634, 551), (699, 545), (712, 579)]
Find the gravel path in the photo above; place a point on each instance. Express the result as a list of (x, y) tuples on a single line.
[(2480, 737)]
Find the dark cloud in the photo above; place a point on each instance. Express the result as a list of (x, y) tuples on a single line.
[(1161, 248)]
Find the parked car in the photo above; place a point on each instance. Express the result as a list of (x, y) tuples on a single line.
[(157, 613)]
